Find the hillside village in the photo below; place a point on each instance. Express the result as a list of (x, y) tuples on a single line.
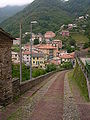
[(43, 53), (47, 49), (45, 60)]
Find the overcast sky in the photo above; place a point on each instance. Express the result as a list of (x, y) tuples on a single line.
[(3, 3), (14, 2)]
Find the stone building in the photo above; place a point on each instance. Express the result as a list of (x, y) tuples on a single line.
[(6, 42)]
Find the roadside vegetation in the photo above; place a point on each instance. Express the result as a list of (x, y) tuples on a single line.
[(37, 71), (26, 71), (76, 77), (66, 65)]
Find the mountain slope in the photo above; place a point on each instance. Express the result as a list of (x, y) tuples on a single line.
[(78, 7), (9, 11), (48, 13)]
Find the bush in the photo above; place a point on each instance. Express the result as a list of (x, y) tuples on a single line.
[(70, 49), (26, 72), (51, 67), (16, 72), (66, 65), (38, 72)]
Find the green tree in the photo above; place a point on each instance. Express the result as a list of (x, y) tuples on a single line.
[(66, 65), (36, 41), (51, 67)]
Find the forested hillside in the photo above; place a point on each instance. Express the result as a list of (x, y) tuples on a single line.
[(48, 13), (9, 11), (78, 7)]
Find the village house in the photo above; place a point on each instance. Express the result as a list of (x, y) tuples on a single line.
[(16, 41), (70, 26), (57, 43), (49, 35), (40, 37), (27, 47), (65, 33), (61, 52), (70, 57), (15, 57), (37, 59), (48, 50), (81, 18), (55, 60)]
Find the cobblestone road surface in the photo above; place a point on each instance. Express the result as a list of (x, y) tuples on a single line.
[(70, 107)]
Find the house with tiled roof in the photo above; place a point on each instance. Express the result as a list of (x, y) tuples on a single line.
[(48, 50), (38, 59), (68, 57), (55, 60), (49, 35), (57, 43), (65, 33)]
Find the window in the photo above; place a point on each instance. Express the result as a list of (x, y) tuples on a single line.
[(37, 63), (33, 62)]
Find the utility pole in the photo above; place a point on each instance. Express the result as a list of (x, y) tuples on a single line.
[(31, 51), (32, 22), (20, 52)]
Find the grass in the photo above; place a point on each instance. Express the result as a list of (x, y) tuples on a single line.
[(79, 37), (77, 78)]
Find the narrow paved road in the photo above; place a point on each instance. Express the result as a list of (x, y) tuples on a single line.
[(50, 107), (24, 108), (50, 100)]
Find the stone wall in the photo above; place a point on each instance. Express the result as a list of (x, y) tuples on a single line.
[(25, 86), (16, 88), (19, 89), (5, 70)]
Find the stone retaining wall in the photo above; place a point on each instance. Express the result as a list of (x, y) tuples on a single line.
[(16, 88), (86, 76), (19, 89)]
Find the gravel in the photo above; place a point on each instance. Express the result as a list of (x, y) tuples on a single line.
[(70, 107)]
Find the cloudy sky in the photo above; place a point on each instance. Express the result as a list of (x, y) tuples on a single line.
[(14, 2)]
